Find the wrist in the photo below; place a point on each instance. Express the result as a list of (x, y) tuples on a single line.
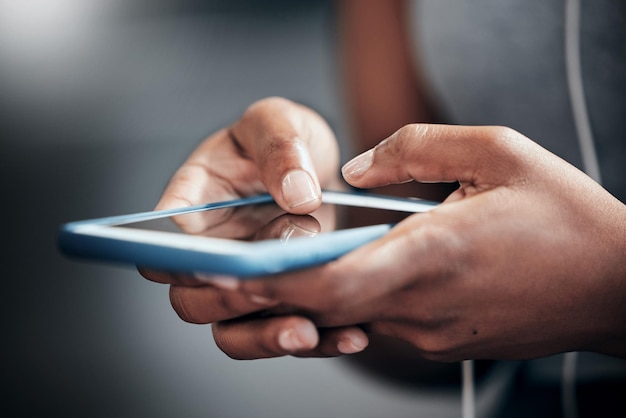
[(612, 325)]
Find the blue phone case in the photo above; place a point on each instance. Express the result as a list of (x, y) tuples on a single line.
[(101, 239)]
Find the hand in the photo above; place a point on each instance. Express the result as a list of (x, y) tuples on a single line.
[(276, 146), (525, 259)]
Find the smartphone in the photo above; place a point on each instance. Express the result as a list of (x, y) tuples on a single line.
[(245, 237)]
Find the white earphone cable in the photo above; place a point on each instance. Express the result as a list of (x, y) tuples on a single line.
[(576, 90), (467, 391)]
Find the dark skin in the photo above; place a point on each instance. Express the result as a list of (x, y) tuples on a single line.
[(524, 259)]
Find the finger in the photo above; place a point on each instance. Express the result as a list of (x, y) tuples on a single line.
[(204, 176), (166, 277), (213, 172), (290, 145), (289, 226), (286, 335), (266, 337), (338, 341), (208, 304), (223, 282), (480, 156)]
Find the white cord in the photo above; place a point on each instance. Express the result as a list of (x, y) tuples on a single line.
[(467, 390), (568, 386), (576, 90)]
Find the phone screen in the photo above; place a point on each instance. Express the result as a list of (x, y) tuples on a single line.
[(268, 221)]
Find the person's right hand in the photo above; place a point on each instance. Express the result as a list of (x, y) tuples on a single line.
[(277, 146)]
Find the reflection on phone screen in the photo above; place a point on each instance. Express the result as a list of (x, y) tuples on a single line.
[(269, 221)]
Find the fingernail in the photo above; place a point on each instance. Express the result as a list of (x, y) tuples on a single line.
[(220, 282), (299, 189), (298, 338), (294, 231), (351, 345), (356, 167), (262, 300)]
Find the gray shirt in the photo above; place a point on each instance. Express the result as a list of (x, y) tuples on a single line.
[(503, 62)]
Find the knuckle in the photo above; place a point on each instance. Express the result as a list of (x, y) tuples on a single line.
[(203, 305), (225, 342), (186, 177), (502, 133), (436, 334), (180, 303), (281, 144), (395, 144), (404, 140), (505, 139), (335, 301), (510, 148), (444, 248), (154, 275), (231, 304), (409, 132), (336, 296), (262, 107), (433, 346), (261, 289)]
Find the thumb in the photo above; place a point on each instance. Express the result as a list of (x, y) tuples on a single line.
[(481, 156)]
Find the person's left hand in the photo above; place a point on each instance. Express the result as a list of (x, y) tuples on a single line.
[(524, 260)]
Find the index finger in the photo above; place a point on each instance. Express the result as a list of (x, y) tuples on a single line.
[(294, 149)]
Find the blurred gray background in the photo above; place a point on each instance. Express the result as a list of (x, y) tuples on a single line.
[(100, 101)]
